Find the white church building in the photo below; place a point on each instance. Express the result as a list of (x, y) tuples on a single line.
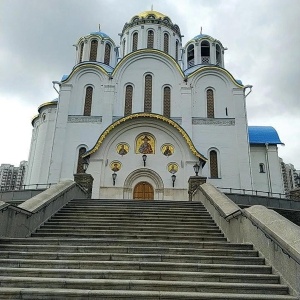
[(148, 109)]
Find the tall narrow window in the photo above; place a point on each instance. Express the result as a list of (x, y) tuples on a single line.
[(80, 169), (210, 103), (148, 94), (205, 52), (218, 55), (81, 52), (135, 39), (93, 52), (213, 158), (176, 51), (150, 40), (262, 168), (190, 56), (166, 43), (124, 44), (167, 102), (107, 53), (128, 100), (88, 101)]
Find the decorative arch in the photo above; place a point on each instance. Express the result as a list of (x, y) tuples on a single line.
[(107, 53), (94, 49), (214, 164), (128, 100), (147, 115), (150, 39), (81, 151), (81, 52), (166, 42), (88, 101), (140, 175), (205, 52), (190, 56), (148, 93), (135, 39), (167, 102), (210, 103)]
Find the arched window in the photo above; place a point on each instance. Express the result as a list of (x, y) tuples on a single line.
[(213, 162), (135, 39), (205, 52), (166, 43), (81, 52), (81, 151), (88, 101), (128, 100), (190, 56), (150, 39), (167, 102), (148, 94), (107, 53), (124, 44), (93, 52), (210, 105), (218, 55), (176, 51)]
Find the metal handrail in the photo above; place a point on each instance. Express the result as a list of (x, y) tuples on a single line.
[(22, 187), (253, 192)]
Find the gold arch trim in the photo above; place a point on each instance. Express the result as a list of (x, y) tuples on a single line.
[(211, 68), (146, 115), (147, 50), (79, 68), (47, 104)]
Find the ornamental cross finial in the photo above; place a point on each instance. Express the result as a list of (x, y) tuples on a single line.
[(201, 30), (152, 7), (99, 27)]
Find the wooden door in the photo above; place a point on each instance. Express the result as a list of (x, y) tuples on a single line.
[(143, 191)]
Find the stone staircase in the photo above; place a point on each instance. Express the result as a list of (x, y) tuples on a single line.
[(125, 249)]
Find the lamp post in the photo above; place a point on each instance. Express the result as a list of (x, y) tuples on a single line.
[(173, 179), (85, 164), (114, 176), (144, 159), (196, 167)]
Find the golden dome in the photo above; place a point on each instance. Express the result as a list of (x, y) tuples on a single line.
[(157, 14)]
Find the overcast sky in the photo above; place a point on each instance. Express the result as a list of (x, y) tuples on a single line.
[(262, 37)]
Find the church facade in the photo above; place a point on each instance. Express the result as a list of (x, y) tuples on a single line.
[(145, 112)]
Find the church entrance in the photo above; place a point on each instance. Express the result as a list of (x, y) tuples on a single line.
[(143, 191)]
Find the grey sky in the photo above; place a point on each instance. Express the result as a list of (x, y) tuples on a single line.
[(261, 35)]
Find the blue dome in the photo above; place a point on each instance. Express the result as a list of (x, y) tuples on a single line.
[(102, 34), (263, 135)]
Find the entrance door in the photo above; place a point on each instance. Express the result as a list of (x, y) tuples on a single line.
[(143, 191)]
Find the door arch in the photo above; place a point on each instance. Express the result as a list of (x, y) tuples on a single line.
[(143, 191)]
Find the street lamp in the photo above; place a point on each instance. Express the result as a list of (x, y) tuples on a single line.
[(114, 176), (85, 164), (144, 159), (196, 167), (173, 179)]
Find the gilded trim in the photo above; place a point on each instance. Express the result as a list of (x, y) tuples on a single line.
[(83, 66), (146, 115), (208, 68), (147, 50), (34, 118), (47, 104)]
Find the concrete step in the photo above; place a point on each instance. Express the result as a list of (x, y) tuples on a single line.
[(132, 250), (130, 221), (135, 265), (133, 257), (125, 242), (113, 226), (144, 285), (75, 294), (141, 275), (153, 237)]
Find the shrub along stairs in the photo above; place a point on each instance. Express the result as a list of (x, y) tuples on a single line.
[(125, 249)]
